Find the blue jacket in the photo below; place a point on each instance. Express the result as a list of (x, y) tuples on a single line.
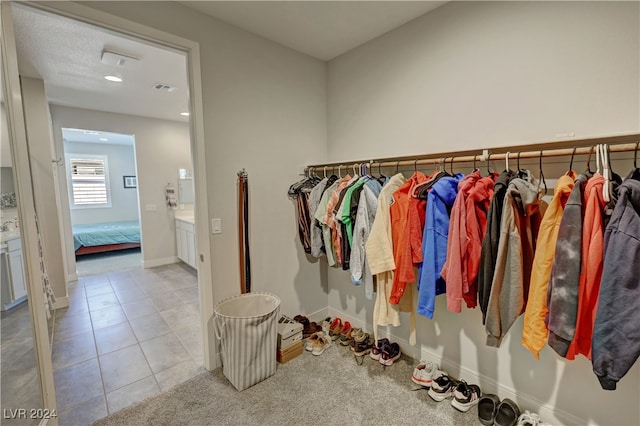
[(434, 242)]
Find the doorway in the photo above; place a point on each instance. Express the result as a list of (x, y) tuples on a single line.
[(118, 281)]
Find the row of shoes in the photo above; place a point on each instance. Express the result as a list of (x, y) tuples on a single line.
[(491, 411)]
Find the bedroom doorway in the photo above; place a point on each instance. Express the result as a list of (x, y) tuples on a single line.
[(103, 196)]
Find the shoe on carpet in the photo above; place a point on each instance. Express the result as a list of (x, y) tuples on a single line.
[(487, 407), (345, 334), (466, 396), (321, 344), (363, 344), (376, 350), (442, 388), (356, 333), (424, 373), (528, 418), (507, 413), (335, 328), (326, 325), (312, 340), (390, 354)]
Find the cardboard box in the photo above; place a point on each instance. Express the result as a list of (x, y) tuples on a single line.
[(292, 351), (289, 332)]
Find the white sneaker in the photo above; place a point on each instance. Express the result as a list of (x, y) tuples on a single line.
[(529, 418), (425, 373), (321, 345)]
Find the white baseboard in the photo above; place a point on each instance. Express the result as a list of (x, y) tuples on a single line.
[(319, 315), (72, 277), (61, 302), (159, 262), (548, 412)]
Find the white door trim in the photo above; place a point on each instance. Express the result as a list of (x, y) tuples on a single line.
[(26, 211), (192, 50)]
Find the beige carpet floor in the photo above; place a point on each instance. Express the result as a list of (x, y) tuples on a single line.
[(330, 389)]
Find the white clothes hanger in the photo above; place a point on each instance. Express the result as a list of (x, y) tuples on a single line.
[(506, 161), (606, 173)]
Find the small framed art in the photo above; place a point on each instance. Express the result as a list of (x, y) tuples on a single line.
[(130, 181)]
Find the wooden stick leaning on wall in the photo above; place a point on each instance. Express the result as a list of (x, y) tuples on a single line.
[(619, 143)]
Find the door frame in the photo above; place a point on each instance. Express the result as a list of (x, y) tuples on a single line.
[(191, 49), (26, 210)]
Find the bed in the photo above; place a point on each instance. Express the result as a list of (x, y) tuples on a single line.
[(103, 237)]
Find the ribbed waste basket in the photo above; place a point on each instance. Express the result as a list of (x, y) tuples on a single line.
[(247, 327)]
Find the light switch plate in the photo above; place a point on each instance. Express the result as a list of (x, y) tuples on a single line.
[(216, 226)]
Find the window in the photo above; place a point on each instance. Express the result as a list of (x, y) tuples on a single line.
[(89, 181)]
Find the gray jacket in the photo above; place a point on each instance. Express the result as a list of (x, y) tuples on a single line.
[(616, 334), (510, 287)]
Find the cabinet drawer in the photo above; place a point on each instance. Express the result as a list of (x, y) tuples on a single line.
[(15, 244)]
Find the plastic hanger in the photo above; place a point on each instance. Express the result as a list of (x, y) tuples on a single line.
[(606, 190), (506, 161), (451, 166), (588, 170), (488, 163), (635, 174)]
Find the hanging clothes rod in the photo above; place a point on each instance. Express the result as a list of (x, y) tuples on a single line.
[(619, 143)]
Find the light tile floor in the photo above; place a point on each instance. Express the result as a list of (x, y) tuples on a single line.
[(19, 379), (126, 335)]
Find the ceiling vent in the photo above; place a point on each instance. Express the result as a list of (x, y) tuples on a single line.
[(118, 59), (164, 87)]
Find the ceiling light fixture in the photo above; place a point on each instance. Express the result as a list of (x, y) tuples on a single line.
[(113, 78), (104, 139), (185, 114)]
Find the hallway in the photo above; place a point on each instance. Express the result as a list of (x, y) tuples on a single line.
[(126, 335)]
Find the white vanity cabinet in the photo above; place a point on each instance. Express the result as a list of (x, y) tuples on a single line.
[(14, 283), (186, 241)]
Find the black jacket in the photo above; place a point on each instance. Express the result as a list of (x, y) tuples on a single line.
[(616, 334), (490, 242)]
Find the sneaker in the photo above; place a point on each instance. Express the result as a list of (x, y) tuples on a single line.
[(442, 388), (321, 344), (356, 333), (423, 373), (390, 354), (345, 334), (466, 396), (528, 418), (335, 328), (312, 340), (326, 325), (363, 344), (377, 349)]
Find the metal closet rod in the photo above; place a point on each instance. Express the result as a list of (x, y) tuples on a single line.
[(616, 144)]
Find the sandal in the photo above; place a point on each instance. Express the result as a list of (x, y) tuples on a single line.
[(321, 345), (507, 413), (487, 407), (312, 340)]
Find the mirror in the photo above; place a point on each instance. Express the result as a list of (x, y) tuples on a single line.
[(19, 375), (185, 186)]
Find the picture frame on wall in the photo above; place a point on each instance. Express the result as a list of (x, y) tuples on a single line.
[(130, 181)]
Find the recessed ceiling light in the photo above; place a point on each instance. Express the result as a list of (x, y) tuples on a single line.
[(104, 139), (113, 78), (185, 114)]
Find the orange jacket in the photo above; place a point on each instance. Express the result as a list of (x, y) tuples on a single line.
[(534, 330), (591, 274), (404, 238)]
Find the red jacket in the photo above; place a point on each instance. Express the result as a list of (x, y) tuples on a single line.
[(591, 273)]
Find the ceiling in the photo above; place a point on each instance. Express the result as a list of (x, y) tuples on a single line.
[(66, 54), (322, 29), (92, 136)]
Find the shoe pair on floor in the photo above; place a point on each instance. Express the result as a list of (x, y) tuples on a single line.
[(492, 411), (385, 352), (464, 396), (317, 343)]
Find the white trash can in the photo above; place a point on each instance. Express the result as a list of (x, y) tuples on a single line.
[(247, 327)]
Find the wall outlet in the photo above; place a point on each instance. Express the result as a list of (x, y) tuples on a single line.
[(216, 226), (150, 208)]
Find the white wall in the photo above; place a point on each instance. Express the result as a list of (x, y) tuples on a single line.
[(478, 75), (161, 148), (124, 201), (264, 110), (38, 127)]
